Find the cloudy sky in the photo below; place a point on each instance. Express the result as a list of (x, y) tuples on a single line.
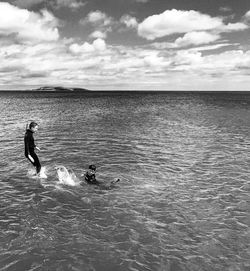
[(125, 44)]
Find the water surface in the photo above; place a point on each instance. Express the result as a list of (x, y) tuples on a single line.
[(183, 199)]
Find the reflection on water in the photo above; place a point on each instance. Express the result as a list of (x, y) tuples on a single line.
[(183, 199)]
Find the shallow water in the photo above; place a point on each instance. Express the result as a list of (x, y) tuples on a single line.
[(183, 199)]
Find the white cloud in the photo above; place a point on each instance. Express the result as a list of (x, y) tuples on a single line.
[(98, 34), (153, 60), (173, 45), (97, 45), (73, 4), (212, 47), (176, 21), (80, 49), (131, 67), (225, 9), (179, 21), (221, 64), (196, 38), (247, 15), (233, 27), (100, 22), (27, 25), (129, 21), (185, 59), (97, 18), (67, 62)]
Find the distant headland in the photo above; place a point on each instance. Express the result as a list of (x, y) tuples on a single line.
[(60, 89)]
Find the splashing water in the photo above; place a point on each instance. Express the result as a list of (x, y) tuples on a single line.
[(65, 177), (42, 173), (32, 173)]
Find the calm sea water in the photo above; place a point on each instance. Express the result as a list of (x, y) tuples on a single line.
[(183, 202)]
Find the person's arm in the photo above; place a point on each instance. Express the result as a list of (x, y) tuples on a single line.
[(89, 177), (35, 146)]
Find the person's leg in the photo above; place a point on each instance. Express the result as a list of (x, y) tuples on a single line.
[(31, 159), (36, 162)]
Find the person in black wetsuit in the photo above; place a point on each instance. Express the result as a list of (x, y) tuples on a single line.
[(90, 178), (29, 146)]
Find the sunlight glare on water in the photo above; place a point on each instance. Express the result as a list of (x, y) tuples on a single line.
[(183, 200)]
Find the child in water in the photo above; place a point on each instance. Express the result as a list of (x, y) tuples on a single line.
[(90, 178)]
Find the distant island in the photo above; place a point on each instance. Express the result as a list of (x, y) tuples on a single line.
[(60, 89)]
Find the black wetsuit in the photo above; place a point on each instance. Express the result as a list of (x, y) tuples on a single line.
[(29, 149), (90, 178)]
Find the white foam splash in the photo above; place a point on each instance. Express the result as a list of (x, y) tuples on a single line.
[(42, 173), (32, 173), (65, 177)]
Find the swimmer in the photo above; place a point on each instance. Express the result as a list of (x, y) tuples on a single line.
[(90, 178)]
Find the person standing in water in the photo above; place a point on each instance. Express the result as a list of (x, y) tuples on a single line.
[(29, 146)]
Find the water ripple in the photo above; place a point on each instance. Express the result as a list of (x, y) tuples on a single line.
[(182, 202)]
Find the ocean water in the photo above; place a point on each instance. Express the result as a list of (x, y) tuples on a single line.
[(183, 202)]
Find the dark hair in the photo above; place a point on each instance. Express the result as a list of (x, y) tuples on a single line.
[(33, 124), (92, 167)]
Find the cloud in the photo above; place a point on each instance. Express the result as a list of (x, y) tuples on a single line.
[(247, 14), (32, 74), (72, 4), (98, 35), (154, 60), (225, 9), (223, 63), (232, 27), (26, 25), (129, 21), (97, 45), (212, 47), (100, 22), (179, 21), (246, 17), (97, 18), (176, 21), (196, 38), (162, 46), (105, 66), (67, 61)]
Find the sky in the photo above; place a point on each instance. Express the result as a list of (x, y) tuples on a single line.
[(125, 44)]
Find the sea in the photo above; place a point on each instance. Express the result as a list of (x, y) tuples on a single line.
[(183, 200)]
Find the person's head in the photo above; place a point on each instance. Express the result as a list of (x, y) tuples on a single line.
[(92, 167), (33, 126)]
